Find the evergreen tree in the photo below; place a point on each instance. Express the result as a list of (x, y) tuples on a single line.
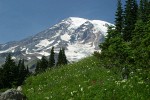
[(37, 70), (119, 18), (51, 58), (146, 7), (1, 78), (43, 64), (141, 15), (144, 10), (60, 58), (27, 71), (64, 58), (130, 17), (138, 34), (111, 34), (134, 52), (22, 72), (142, 51), (9, 68)]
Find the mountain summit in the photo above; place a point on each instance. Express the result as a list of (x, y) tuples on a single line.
[(79, 36)]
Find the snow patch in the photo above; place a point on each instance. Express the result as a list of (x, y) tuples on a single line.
[(27, 51), (65, 37), (78, 51), (76, 22), (13, 57), (11, 49), (39, 57), (43, 43), (28, 58), (44, 53)]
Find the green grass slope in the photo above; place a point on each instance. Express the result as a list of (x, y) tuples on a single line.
[(84, 80)]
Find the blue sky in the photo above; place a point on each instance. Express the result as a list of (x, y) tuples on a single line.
[(22, 18)]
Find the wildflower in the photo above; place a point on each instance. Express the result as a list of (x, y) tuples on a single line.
[(141, 82), (124, 86), (71, 93), (81, 89), (131, 86), (108, 71), (89, 87), (117, 82), (124, 80), (47, 98), (79, 85)]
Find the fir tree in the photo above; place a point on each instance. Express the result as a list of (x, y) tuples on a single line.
[(51, 61), (22, 72), (60, 58), (37, 70), (146, 8), (119, 18), (43, 64), (138, 34), (130, 17), (64, 58), (8, 71), (27, 71), (1, 78), (141, 15)]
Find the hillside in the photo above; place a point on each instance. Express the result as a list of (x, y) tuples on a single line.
[(86, 79)]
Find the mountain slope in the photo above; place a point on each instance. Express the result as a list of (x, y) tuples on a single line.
[(74, 81), (85, 80), (79, 36)]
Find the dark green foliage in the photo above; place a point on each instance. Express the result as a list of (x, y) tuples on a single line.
[(130, 17), (8, 71), (144, 10), (132, 51), (139, 33), (65, 61), (37, 70), (119, 17), (27, 71), (12, 74), (1, 78), (141, 42), (43, 63), (62, 59), (22, 71), (51, 62), (111, 33)]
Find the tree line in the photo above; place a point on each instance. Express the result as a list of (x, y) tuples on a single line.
[(14, 73), (127, 45), (43, 63)]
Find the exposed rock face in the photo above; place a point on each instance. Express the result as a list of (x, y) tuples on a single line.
[(12, 94)]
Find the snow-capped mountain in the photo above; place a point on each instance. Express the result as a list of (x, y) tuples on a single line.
[(79, 36)]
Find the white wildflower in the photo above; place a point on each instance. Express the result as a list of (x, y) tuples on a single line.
[(47, 98), (124, 80), (71, 93), (81, 89), (141, 82)]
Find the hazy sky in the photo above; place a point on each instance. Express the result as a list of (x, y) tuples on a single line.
[(22, 18)]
